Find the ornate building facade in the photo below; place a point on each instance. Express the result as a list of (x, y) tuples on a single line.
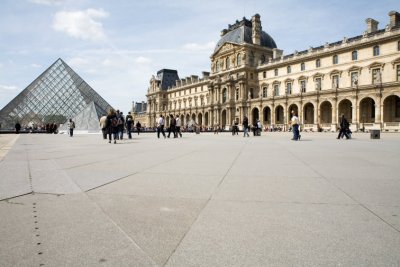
[(358, 77)]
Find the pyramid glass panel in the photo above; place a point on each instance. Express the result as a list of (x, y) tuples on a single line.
[(55, 96)]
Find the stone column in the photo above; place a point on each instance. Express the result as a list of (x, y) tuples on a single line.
[(334, 117)]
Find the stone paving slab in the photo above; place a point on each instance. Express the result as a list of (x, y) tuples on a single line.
[(201, 200)]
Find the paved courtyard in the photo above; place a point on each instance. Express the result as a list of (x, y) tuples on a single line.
[(203, 200)]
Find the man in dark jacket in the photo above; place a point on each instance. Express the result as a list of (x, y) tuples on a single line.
[(245, 126), (172, 124), (344, 126)]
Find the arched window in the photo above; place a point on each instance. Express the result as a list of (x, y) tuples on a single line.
[(318, 63), (289, 69), (264, 92), (354, 55), (237, 93), (303, 66), (239, 59), (376, 50), (335, 59), (228, 63)]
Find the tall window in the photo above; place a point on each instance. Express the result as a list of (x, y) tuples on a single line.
[(335, 59), (276, 72), (318, 84), (398, 73), (354, 79), (289, 88), (217, 69), (335, 81), (237, 93), (318, 63), (289, 69), (302, 66), (264, 74), (303, 86), (264, 92), (239, 59), (251, 58), (276, 90), (224, 95), (228, 63), (354, 55), (398, 46), (376, 76), (376, 50)]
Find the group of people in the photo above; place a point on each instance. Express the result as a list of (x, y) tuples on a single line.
[(114, 124), (174, 126)]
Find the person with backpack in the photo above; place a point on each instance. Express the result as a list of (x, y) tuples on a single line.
[(129, 123), (71, 127), (172, 125), (121, 125), (245, 127), (344, 128), (138, 126), (112, 123)]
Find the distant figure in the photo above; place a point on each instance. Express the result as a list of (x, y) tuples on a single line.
[(71, 127), (121, 125), (216, 128), (178, 126), (160, 126), (295, 126), (245, 126), (138, 126), (172, 125), (129, 123), (112, 124), (17, 128), (103, 126), (344, 128)]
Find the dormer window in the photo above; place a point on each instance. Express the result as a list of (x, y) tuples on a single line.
[(217, 67), (376, 50), (228, 63), (354, 55), (289, 69), (276, 72), (335, 59), (303, 66), (239, 59), (318, 63)]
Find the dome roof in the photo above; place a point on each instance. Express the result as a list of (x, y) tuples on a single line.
[(241, 33)]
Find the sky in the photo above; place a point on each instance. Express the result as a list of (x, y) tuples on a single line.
[(116, 46)]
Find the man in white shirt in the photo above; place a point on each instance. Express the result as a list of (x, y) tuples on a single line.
[(160, 126), (178, 126), (295, 127)]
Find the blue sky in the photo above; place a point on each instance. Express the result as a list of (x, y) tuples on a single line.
[(116, 46)]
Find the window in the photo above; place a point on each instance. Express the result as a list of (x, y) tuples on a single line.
[(398, 73), (264, 74), (224, 95), (276, 72), (302, 66), (318, 63), (398, 46), (276, 90), (289, 69), (262, 59), (354, 79), (354, 55), (335, 59), (217, 69), (303, 86), (376, 76), (239, 60), (251, 76), (376, 50), (335, 81), (251, 58), (228, 63), (264, 92), (289, 88), (318, 84), (237, 93)]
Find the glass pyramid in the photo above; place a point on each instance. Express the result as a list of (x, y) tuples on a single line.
[(55, 96)]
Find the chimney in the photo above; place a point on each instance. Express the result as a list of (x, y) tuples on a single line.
[(394, 19), (206, 74), (372, 25), (276, 53), (256, 29)]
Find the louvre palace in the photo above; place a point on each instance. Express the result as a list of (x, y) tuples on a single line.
[(250, 76)]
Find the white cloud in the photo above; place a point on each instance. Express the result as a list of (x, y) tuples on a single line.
[(143, 60), (8, 88), (47, 2), (198, 47), (77, 62), (81, 24), (34, 65)]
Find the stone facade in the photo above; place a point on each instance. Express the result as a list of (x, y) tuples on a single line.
[(358, 77)]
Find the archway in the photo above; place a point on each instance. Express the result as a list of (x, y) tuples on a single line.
[(294, 108), (367, 110), (187, 119), (255, 115), (345, 109), (391, 109), (194, 118), (200, 119), (308, 115), (206, 119), (223, 119), (267, 115), (182, 120), (326, 112), (279, 114)]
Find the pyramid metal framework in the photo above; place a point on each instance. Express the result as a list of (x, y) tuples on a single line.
[(55, 96)]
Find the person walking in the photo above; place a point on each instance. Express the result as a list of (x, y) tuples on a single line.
[(103, 126), (121, 125), (71, 127), (295, 126), (245, 126), (129, 122), (344, 128), (138, 126), (172, 124), (112, 123), (160, 126), (17, 127), (178, 126)]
